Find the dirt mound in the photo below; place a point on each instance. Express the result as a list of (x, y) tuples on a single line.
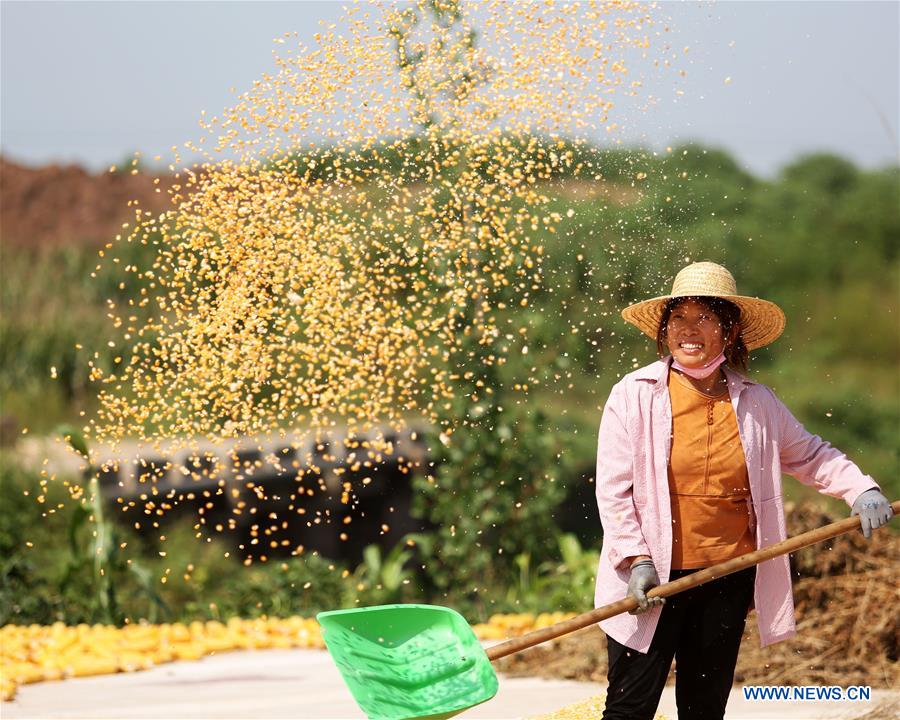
[(65, 205), (848, 629), (58, 205)]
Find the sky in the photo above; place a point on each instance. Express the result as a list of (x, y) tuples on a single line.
[(91, 82)]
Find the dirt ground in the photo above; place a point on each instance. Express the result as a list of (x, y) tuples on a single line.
[(848, 629), (58, 205), (306, 684)]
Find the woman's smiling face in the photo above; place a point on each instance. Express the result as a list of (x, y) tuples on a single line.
[(694, 334)]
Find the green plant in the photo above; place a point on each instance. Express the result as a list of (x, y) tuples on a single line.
[(494, 491), (95, 550), (571, 583), (299, 586), (26, 595), (564, 583), (381, 578), (48, 573)]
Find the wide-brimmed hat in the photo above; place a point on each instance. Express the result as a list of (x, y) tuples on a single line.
[(761, 321)]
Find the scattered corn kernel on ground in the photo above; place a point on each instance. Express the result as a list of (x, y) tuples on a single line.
[(589, 709), (35, 653)]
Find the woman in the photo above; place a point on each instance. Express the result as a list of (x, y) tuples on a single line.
[(689, 463)]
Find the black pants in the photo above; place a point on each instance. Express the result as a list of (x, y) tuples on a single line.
[(701, 628)]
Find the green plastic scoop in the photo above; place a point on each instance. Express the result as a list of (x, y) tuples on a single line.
[(418, 662), (409, 661)]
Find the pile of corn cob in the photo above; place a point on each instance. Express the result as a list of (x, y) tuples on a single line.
[(35, 653)]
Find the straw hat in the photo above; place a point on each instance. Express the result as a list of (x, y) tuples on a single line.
[(761, 321)]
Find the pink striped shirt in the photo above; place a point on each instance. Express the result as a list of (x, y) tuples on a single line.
[(633, 491)]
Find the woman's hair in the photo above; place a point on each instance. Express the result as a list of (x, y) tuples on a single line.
[(729, 314)]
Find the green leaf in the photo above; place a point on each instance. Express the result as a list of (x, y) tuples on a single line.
[(570, 549), (75, 439), (372, 561)]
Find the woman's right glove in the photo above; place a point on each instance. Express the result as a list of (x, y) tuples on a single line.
[(874, 510), (643, 577)]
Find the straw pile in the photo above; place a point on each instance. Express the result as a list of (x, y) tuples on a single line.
[(848, 633), (848, 628)]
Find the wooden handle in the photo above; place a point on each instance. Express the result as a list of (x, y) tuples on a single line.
[(676, 586)]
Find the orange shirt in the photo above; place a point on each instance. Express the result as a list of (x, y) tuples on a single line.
[(708, 483)]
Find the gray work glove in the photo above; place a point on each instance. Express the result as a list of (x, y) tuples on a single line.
[(643, 577), (873, 509)]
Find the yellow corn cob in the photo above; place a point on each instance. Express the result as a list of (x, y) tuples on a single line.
[(36, 653), (88, 666), (7, 689), (188, 651)]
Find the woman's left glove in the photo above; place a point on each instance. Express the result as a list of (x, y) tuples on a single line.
[(873, 509), (643, 577)]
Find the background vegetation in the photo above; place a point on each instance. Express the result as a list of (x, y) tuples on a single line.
[(821, 239)]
